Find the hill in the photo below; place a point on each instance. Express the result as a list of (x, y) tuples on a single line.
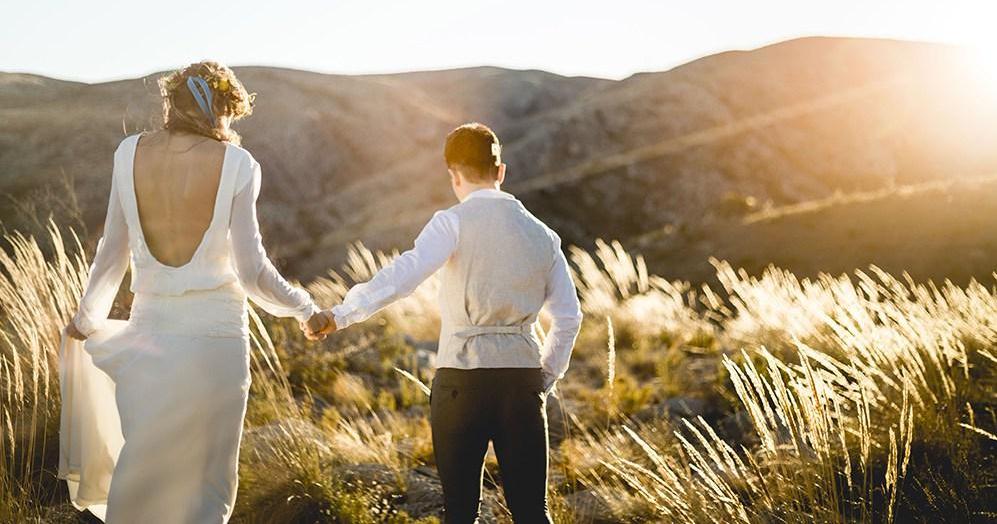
[(358, 157), (931, 231)]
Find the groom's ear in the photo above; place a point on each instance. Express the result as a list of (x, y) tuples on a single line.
[(454, 176), (500, 177)]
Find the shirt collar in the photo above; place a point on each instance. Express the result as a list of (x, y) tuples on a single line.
[(489, 193)]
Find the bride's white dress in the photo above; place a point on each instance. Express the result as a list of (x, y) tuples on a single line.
[(153, 407)]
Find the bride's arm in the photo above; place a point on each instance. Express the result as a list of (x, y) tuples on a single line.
[(264, 285), (109, 266)]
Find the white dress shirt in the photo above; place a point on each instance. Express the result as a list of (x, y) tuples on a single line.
[(433, 247)]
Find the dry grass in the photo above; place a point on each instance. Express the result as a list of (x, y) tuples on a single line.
[(861, 365), (38, 294), (861, 398)]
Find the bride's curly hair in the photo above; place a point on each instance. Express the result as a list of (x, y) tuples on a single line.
[(229, 99)]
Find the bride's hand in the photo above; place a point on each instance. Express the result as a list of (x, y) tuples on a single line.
[(319, 325), (73, 332)]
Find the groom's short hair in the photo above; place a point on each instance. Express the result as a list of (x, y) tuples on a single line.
[(474, 150)]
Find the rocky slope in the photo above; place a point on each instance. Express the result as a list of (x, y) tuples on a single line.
[(931, 231), (689, 150)]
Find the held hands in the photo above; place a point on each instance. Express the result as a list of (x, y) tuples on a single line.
[(320, 325)]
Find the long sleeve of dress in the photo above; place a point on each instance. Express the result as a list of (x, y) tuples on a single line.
[(258, 276), (397, 280), (563, 305), (109, 266)]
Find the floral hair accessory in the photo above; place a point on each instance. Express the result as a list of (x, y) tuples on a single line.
[(221, 85), (497, 153)]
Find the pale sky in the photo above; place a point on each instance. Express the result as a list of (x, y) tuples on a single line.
[(102, 40)]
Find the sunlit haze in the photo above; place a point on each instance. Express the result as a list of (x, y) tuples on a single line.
[(94, 41)]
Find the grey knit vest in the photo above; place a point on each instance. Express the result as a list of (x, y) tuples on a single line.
[(493, 286)]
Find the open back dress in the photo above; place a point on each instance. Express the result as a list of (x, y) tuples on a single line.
[(153, 407)]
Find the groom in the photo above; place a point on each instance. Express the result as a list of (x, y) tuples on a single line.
[(499, 265)]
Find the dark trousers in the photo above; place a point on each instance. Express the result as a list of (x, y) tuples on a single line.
[(469, 408)]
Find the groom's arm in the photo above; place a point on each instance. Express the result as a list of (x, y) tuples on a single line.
[(563, 305), (401, 277)]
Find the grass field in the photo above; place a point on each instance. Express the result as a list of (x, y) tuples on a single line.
[(864, 397)]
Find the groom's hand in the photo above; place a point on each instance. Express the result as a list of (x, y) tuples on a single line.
[(549, 382), (319, 326)]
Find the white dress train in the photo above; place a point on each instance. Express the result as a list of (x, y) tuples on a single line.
[(153, 407)]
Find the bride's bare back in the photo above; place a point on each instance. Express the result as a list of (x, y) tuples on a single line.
[(176, 182)]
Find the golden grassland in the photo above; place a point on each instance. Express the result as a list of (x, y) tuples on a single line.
[(856, 398)]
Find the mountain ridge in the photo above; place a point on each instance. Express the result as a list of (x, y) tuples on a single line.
[(359, 157)]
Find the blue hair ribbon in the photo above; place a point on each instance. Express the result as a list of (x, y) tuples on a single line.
[(202, 95)]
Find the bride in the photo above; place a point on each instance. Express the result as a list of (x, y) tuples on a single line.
[(153, 407)]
